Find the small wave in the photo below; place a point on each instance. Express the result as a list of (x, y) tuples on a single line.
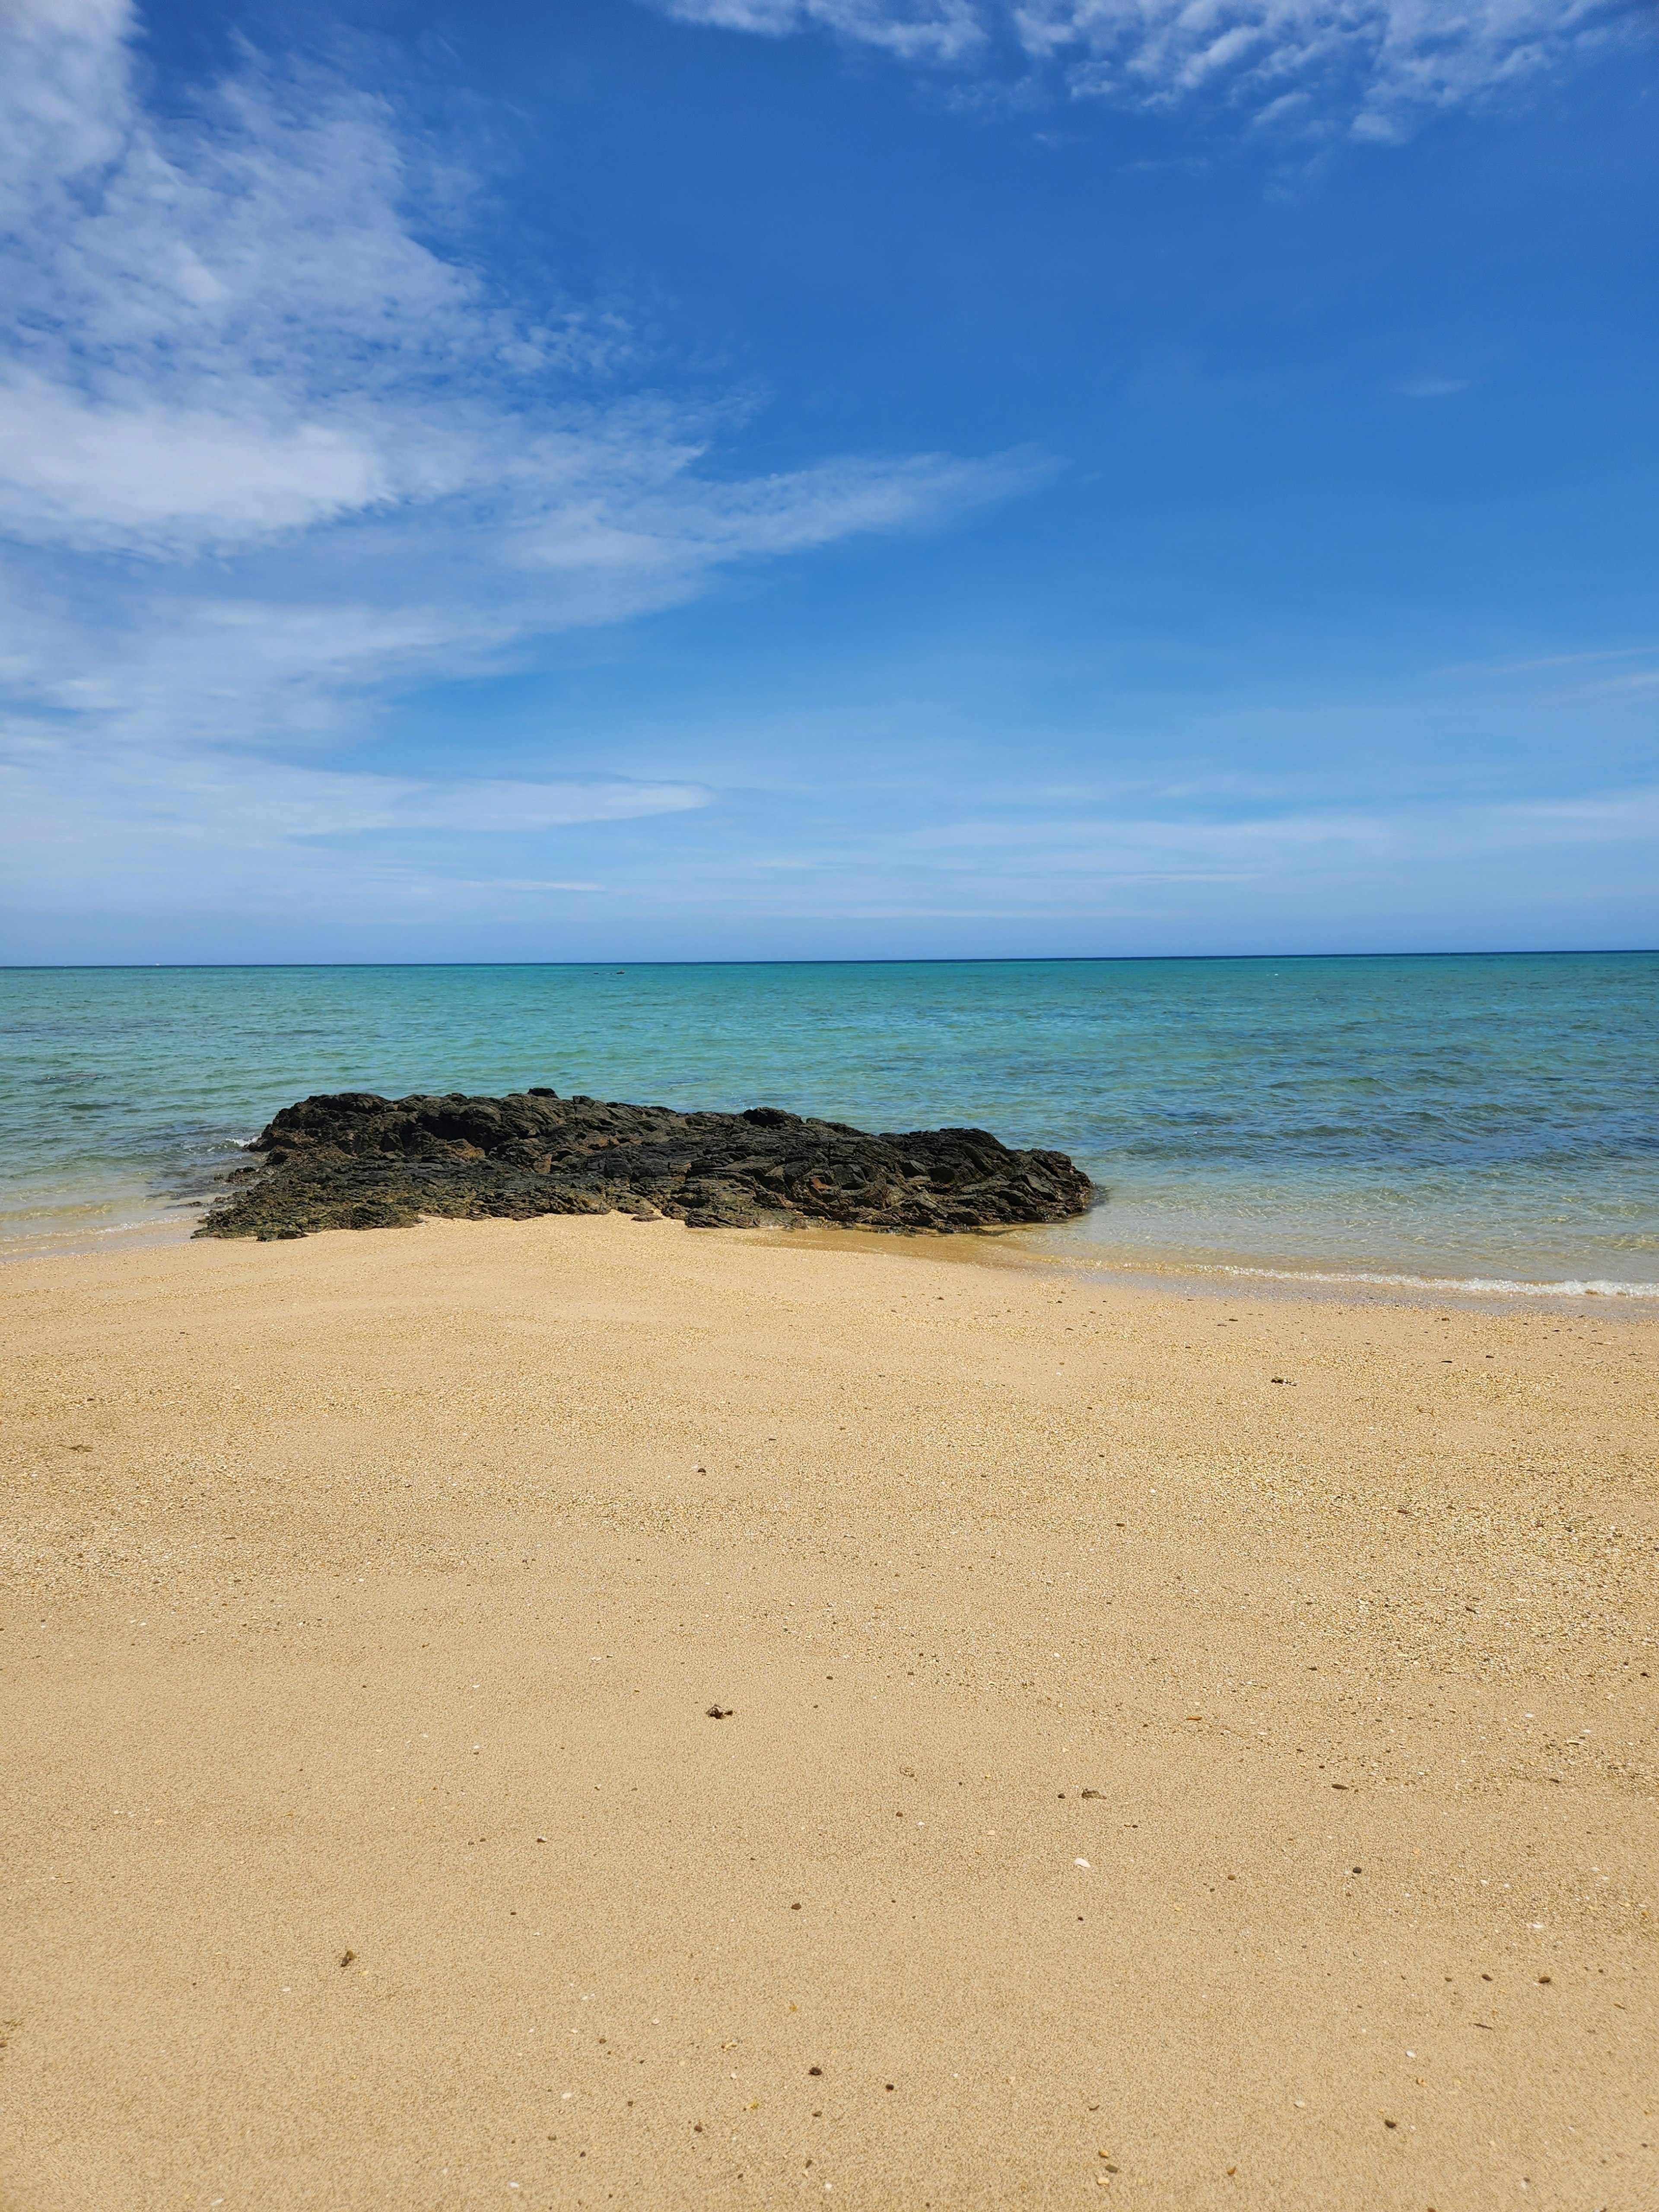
[(1469, 1285)]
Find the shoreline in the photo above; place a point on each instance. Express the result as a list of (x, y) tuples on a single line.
[(1018, 1247), (1157, 1736), (1223, 1280)]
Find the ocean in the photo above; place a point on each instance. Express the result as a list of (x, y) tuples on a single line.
[(1487, 1123)]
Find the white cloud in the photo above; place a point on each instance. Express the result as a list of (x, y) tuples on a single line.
[(270, 447), (228, 329), (1369, 66), (917, 30), (220, 330)]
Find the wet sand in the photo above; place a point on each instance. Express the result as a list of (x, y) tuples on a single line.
[(1175, 1752)]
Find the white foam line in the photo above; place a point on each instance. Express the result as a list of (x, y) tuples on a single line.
[(1484, 1286), (1507, 1286)]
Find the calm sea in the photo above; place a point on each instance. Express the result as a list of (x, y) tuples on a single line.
[(1481, 1120)]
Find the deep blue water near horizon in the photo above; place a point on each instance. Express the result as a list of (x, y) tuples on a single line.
[(1485, 1119)]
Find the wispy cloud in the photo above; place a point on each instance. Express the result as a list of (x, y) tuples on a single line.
[(917, 30), (1368, 67), (1472, 671), (1430, 384), (272, 445), (182, 826)]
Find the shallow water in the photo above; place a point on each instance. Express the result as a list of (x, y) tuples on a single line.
[(1489, 1121)]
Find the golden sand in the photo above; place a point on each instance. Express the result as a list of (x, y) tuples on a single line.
[(1142, 1781)]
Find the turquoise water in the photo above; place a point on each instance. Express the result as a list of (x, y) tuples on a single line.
[(1485, 1119)]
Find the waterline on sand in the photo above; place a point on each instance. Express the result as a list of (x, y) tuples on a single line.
[(1483, 1121)]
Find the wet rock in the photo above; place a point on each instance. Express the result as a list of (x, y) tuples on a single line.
[(354, 1160)]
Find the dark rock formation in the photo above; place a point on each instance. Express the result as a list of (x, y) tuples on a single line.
[(356, 1161)]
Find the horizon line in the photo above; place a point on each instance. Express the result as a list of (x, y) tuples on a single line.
[(868, 960)]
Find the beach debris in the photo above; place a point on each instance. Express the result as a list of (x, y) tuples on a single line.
[(720, 1712), (346, 1958), (356, 1160)]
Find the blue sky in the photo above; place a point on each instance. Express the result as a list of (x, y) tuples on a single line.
[(755, 478)]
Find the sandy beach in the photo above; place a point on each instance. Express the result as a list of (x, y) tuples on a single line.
[(1173, 1749)]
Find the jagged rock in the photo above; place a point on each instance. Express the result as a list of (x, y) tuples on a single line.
[(357, 1161)]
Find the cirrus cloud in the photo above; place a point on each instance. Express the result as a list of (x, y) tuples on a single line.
[(1370, 67), (273, 447)]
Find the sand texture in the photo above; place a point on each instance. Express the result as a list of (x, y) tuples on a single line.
[(1141, 1780)]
